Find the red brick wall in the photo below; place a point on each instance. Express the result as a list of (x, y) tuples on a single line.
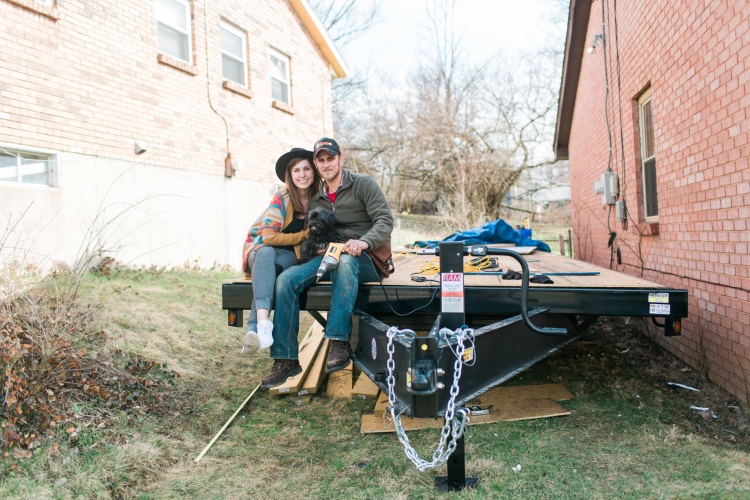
[(87, 80), (695, 55)]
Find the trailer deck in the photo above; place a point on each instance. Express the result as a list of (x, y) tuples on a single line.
[(584, 290)]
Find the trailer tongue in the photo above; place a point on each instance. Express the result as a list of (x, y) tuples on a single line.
[(434, 375)]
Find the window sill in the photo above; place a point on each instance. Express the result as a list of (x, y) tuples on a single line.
[(649, 228), (283, 107), (238, 89), (39, 8), (191, 69), (27, 185)]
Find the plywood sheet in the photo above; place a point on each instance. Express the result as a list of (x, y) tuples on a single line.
[(523, 402), (519, 410), (539, 262), (508, 394)]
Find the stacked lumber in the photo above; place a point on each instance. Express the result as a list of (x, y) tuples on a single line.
[(312, 353), (313, 348)]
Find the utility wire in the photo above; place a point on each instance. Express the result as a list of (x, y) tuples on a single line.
[(623, 183)]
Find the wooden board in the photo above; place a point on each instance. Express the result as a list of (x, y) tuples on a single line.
[(340, 383), (519, 410), (525, 402), (381, 405), (317, 372), (365, 388), (509, 394), (539, 262), (301, 400), (306, 357), (313, 328)]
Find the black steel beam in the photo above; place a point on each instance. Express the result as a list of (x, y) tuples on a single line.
[(482, 301)]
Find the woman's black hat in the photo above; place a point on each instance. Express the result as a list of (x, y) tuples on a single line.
[(283, 161)]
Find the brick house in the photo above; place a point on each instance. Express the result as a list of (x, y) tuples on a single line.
[(148, 130), (657, 94)]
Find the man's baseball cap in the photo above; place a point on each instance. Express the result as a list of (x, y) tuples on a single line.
[(328, 144)]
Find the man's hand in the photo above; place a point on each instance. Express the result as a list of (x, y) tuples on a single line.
[(355, 247)]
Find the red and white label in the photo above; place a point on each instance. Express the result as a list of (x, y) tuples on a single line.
[(452, 292)]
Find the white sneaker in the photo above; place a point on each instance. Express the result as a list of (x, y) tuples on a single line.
[(250, 343), (265, 334)]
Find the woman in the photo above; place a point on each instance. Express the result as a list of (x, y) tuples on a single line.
[(273, 241)]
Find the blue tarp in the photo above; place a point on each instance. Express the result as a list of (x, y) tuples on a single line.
[(497, 231)]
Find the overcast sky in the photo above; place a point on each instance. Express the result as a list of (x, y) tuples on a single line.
[(486, 26)]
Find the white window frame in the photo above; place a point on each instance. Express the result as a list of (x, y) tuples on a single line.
[(53, 164), (645, 141), (242, 35), (288, 60), (188, 33)]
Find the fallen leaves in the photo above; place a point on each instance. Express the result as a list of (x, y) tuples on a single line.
[(55, 357)]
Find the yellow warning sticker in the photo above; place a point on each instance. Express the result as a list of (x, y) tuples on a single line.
[(468, 355), (658, 298)]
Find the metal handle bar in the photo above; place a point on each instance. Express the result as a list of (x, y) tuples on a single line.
[(481, 250)]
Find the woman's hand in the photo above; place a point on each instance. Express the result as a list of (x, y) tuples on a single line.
[(355, 247)]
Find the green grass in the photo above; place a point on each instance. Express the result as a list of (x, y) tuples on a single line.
[(629, 435)]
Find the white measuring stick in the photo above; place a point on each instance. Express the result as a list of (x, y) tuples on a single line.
[(208, 446)]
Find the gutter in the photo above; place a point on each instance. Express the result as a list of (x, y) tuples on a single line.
[(575, 43), (320, 35)]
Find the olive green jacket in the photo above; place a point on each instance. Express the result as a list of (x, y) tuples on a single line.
[(361, 210)]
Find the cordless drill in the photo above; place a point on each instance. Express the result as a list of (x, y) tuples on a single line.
[(330, 259)]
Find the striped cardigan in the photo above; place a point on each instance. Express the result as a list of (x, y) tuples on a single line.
[(266, 230)]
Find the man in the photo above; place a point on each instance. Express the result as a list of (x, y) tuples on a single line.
[(364, 222)]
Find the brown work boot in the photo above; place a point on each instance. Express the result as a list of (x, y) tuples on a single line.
[(339, 354), (282, 369)]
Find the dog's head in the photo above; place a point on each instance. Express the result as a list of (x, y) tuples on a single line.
[(320, 221)]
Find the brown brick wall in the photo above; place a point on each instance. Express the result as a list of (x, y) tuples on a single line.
[(695, 55), (86, 80)]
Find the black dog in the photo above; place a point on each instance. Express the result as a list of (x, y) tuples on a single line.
[(322, 226)]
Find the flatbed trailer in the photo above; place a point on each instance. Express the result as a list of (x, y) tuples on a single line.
[(433, 342)]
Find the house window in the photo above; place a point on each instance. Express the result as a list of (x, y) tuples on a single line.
[(280, 77), (28, 167), (234, 54), (174, 29), (648, 156)]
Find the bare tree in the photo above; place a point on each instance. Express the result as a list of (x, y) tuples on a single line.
[(463, 133), (345, 21)]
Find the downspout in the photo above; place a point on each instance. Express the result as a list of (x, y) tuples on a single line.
[(228, 171)]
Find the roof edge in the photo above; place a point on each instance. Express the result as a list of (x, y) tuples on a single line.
[(575, 41), (319, 33)]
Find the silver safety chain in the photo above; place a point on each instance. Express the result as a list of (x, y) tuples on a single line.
[(455, 420)]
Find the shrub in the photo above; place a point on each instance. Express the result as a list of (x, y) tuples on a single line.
[(55, 359)]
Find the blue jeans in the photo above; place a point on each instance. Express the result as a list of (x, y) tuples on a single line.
[(290, 284), (263, 272)]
